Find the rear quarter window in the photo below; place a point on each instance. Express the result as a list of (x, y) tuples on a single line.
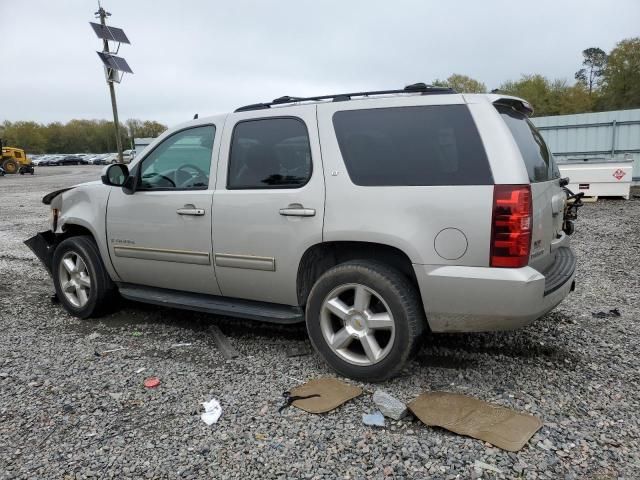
[(412, 146), (539, 161)]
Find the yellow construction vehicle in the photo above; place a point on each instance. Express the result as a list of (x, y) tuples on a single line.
[(14, 160)]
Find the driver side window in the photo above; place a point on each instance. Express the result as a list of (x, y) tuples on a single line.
[(180, 162)]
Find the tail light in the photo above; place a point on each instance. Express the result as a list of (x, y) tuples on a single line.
[(511, 226)]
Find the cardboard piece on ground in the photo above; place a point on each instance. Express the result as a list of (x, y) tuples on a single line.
[(331, 394), (502, 427)]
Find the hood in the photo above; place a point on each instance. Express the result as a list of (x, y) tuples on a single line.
[(50, 196)]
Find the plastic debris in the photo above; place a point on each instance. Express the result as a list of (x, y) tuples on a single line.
[(375, 419), (485, 466), (614, 312), (289, 399), (111, 351), (212, 411), (178, 345), (389, 406), (152, 382), (141, 369)]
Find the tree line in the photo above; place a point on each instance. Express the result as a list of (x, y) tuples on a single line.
[(76, 136), (605, 81)]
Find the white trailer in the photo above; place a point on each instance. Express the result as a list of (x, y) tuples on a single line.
[(598, 177)]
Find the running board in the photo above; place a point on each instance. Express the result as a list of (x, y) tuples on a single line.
[(230, 307)]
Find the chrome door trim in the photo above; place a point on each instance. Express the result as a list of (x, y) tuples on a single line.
[(249, 262), (163, 254)]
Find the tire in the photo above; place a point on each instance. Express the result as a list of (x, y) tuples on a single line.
[(99, 295), (396, 328), (10, 166)]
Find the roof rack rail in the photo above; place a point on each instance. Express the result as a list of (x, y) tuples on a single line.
[(422, 88)]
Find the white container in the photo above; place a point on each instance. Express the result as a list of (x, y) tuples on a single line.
[(599, 178)]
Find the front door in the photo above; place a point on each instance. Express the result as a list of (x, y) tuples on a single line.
[(160, 236), (268, 207)]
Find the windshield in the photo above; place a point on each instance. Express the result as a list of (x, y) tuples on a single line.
[(541, 165)]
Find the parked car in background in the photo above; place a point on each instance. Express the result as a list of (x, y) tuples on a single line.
[(111, 158), (128, 155), (97, 159), (70, 160), (40, 160)]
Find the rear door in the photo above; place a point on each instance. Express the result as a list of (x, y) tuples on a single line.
[(548, 196), (268, 206)]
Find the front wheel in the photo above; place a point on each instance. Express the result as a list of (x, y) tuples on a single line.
[(80, 278), (365, 318)]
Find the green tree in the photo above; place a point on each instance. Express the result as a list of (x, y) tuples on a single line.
[(621, 77), (550, 97), (595, 61), (462, 84)]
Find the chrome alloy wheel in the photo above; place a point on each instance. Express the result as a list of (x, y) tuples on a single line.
[(357, 324), (75, 281)]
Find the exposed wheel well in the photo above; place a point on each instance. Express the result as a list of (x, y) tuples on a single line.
[(73, 230), (323, 256)]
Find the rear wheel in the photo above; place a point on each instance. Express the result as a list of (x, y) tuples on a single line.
[(365, 318), (80, 278), (10, 166)]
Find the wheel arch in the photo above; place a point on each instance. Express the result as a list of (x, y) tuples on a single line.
[(76, 227), (320, 257)]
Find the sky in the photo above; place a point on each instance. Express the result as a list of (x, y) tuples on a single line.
[(208, 57)]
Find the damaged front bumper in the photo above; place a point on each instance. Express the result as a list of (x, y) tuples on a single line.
[(43, 244)]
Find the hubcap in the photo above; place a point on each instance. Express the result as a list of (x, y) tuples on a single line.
[(74, 279), (357, 324)]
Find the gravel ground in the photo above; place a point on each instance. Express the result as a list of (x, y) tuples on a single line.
[(66, 412)]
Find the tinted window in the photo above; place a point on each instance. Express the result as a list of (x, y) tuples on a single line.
[(537, 157), (435, 145), (182, 161), (269, 153)]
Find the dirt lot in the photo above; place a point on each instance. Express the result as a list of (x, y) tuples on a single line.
[(68, 412)]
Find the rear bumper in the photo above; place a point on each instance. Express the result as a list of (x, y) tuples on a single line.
[(477, 299), (42, 245)]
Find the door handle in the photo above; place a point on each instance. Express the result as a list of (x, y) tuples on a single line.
[(190, 209), (297, 210)]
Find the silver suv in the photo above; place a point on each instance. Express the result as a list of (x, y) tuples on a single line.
[(372, 216)]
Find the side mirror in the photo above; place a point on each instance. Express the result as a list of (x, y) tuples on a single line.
[(115, 175)]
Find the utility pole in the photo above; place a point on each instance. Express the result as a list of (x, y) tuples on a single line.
[(112, 90), (114, 66)]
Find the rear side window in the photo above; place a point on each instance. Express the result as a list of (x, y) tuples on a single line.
[(540, 164), (432, 145), (269, 153)]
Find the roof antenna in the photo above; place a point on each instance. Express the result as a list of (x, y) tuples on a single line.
[(195, 116)]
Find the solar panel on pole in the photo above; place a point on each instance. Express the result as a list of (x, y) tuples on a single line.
[(114, 62), (113, 34)]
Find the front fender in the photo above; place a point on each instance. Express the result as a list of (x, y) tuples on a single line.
[(83, 206)]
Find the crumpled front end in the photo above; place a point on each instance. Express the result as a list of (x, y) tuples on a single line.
[(43, 245)]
